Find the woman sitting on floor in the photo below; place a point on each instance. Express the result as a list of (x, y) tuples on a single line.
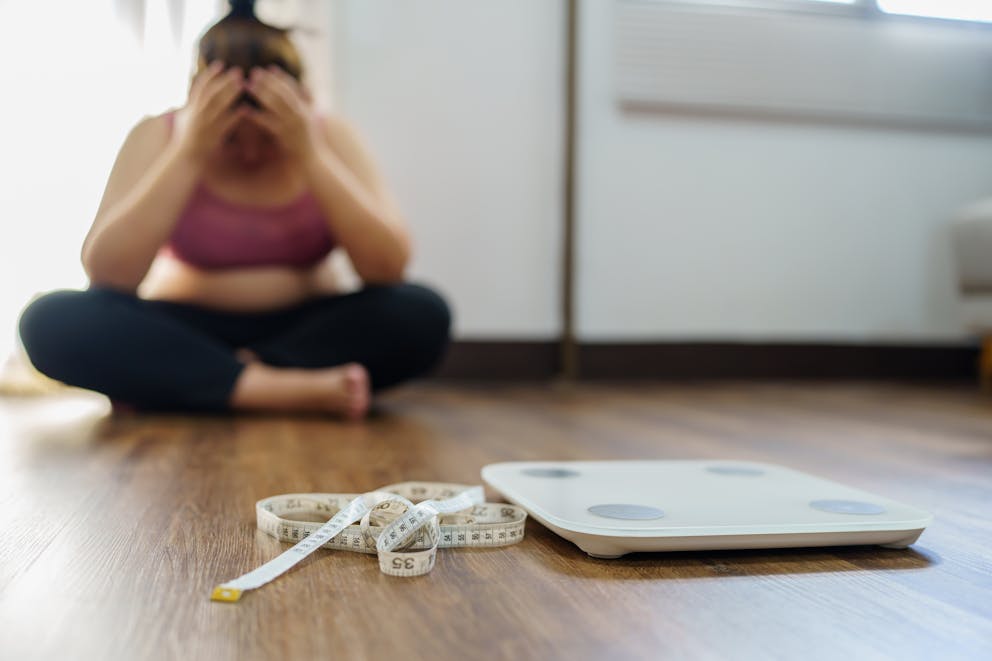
[(208, 255)]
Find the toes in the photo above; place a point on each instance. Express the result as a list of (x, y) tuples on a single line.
[(246, 356), (356, 379), (356, 374), (357, 386)]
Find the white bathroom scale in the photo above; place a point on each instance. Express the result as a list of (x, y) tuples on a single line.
[(610, 508)]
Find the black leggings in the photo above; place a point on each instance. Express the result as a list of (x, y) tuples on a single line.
[(158, 355)]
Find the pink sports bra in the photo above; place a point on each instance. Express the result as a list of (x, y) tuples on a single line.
[(214, 233)]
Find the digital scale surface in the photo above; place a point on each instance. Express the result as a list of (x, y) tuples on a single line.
[(610, 508)]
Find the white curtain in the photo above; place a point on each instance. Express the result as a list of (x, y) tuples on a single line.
[(76, 77)]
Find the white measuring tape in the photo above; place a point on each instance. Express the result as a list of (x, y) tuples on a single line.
[(404, 523)]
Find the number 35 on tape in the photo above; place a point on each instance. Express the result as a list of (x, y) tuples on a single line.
[(404, 524)]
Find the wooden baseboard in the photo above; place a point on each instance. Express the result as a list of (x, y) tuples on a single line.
[(523, 360), (500, 360)]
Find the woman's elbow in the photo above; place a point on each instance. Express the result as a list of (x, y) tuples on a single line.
[(385, 271), (388, 268), (101, 274), (382, 275), (124, 285)]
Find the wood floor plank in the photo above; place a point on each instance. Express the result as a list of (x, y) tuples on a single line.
[(116, 528)]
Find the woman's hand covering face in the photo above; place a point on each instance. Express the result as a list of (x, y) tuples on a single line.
[(286, 110), (209, 114)]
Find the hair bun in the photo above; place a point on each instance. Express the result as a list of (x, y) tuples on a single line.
[(242, 8)]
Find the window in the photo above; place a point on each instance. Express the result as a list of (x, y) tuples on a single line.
[(964, 10), (91, 76)]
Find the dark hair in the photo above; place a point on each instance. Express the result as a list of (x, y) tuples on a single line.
[(240, 39)]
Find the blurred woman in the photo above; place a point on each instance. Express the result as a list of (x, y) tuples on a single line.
[(209, 287)]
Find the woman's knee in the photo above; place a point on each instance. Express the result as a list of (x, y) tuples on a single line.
[(417, 317), (424, 313), (53, 327)]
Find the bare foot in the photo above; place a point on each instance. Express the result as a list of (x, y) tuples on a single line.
[(345, 390)]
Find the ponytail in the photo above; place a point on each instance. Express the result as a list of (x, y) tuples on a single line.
[(241, 39), (242, 9)]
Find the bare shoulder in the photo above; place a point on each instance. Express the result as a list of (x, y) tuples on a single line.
[(145, 139), (143, 144), (336, 125), (345, 141), (152, 129), (341, 135)]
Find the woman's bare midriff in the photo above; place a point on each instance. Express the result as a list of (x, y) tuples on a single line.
[(257, 289)]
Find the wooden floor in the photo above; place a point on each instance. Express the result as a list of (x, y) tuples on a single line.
[(115, 529)]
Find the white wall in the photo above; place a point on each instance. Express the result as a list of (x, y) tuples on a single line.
[(65, 112), (729, 229), (461, 103)]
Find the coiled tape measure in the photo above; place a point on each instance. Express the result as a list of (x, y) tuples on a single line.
[(403, 523)]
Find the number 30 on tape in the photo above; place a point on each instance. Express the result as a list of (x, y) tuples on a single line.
[(403, 523)]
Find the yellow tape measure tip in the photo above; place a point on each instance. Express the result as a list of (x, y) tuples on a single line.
[(221, 593)]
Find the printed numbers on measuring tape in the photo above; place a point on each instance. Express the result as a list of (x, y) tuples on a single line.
[(403, 523)]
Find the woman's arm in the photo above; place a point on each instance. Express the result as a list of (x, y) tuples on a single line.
[(340, 173), (363, 216), (153, 177), (148, 186)]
